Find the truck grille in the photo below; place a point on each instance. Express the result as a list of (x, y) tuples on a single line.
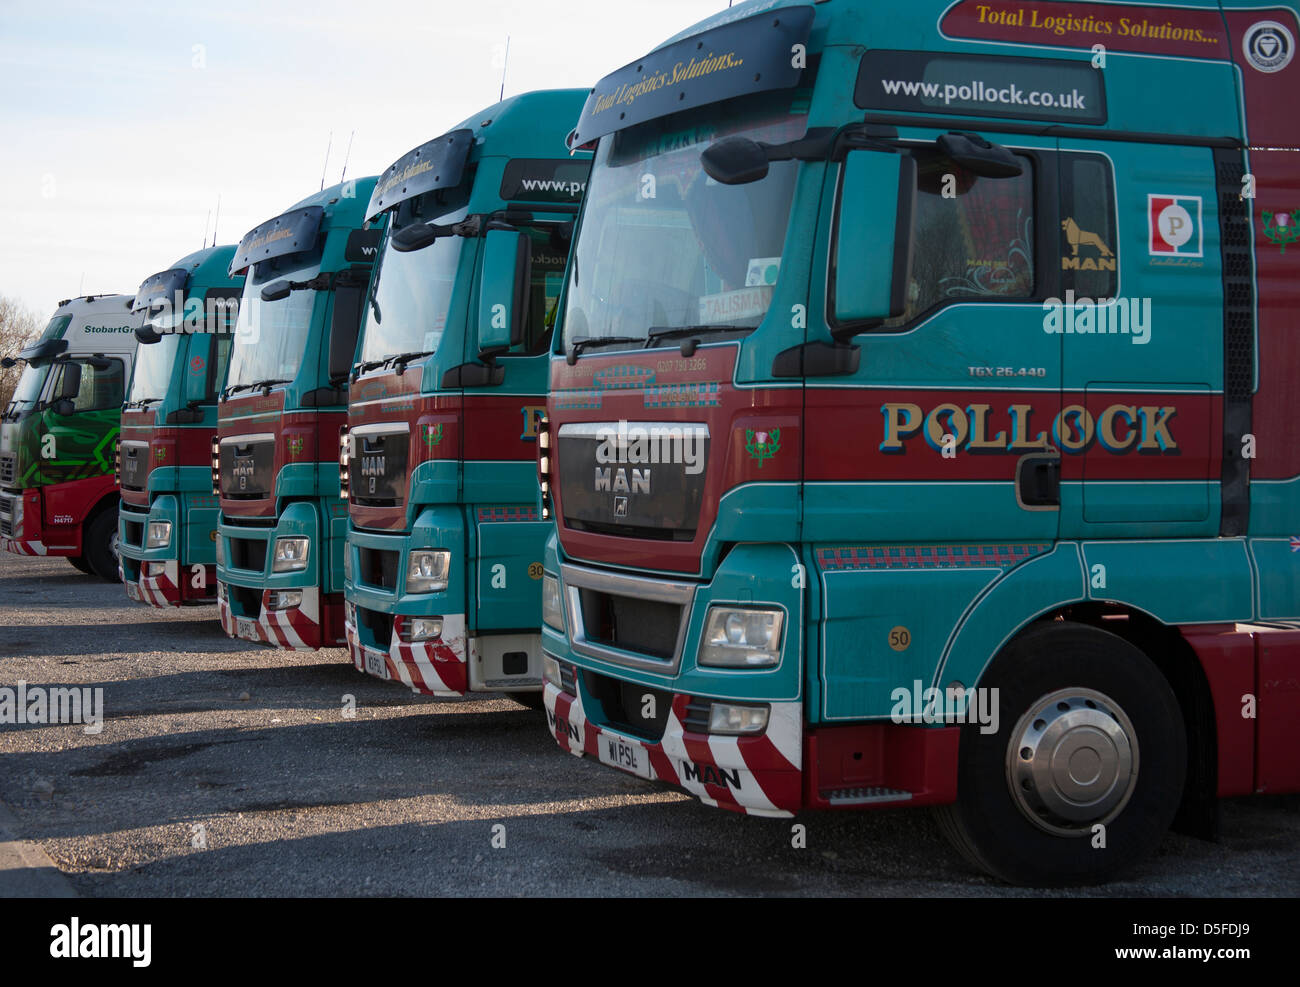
[(248, 554), (247, 467), (7, 515), (627, 620), (8, 469), (643, 626)]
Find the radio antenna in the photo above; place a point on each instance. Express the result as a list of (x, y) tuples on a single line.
[(328, 145), (217, 220), (207, 221), (347, 155), (504, 65)]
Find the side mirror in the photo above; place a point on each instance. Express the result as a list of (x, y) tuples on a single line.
[(871, 261), (98, 362), (349, 303), (415, 237), (69, 385), (63, 407), (734, 161), (977, 155), (503, 290), (276, 290), (146, 335), (8, 362)]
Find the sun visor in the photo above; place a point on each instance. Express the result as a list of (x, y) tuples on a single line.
[(160, 289), (43, 350), (289, 233), (752, 55), (439, 163)]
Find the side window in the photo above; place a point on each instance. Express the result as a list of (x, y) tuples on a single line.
[(100, 389), (1088, 241), (550, 252), (974, 242), (222, 346)]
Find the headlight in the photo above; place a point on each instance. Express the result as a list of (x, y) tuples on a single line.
[(551, 671), (347, 563), (221, 550), (727, 718), (290, 554), (160, 534), (350, 613), (427, 571), (413, 629), (552, 614), (283, 599), (18, 517), (741, 638)]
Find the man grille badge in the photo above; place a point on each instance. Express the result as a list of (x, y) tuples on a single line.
[(620, 507)]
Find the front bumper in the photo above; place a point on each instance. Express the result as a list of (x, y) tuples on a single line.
[(431, 668), (759, 775), (293, 629), (16, 523)]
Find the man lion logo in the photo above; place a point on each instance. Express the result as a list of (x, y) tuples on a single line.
[(1076, 237)]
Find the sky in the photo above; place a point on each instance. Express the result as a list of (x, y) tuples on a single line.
[(121, 123)]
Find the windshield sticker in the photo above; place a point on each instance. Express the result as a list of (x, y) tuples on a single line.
[(1195, 33), (762, 271), (728, 306)]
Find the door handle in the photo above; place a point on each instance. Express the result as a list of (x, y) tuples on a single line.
[(1038, 479)]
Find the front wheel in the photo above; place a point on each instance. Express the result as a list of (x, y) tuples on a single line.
[(1085, 770), (101, 545)]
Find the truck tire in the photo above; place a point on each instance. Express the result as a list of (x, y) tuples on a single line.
[(80, 564), (101, 545), (1085, 771), (533, 700)]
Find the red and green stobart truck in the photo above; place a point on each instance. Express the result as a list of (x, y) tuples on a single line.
[(168, 513), (275, 458), (58, 494), (444, 544), (920, 426)]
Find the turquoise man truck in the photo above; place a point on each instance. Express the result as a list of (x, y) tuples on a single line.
[(275, 458), (168, 521), (919, 429), (444, 545), (58, 495)]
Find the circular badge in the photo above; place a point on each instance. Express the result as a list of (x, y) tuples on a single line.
[(1268, 46), (900, 638), (197, 364)]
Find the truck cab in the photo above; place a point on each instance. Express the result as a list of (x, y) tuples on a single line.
[(275, 457), (922, 434), (443, 562), (58, 492), (168, 523)]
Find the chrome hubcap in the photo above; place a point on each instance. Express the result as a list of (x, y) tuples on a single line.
[(113, 545), (1072, 761)]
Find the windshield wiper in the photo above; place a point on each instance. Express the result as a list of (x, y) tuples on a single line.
[(141, 402), (585, 342), (268, 384), (400, 360), (690, 335)]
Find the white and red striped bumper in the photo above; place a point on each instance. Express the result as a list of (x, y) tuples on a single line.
[(432, 668), (162, 590), (759, 775), (294, 629), (19, 546)]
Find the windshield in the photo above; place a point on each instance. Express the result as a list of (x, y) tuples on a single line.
[(664, 245), (28, 389), (411, 296), (270, 337), (153, 369)]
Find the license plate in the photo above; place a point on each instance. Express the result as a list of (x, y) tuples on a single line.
[(375, 663), (626, 754), (246, 628), (133, 591)]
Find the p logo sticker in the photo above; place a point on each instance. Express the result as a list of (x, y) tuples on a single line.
[(1174, 222)]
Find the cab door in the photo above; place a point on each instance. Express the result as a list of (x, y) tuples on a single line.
[(932, 468)]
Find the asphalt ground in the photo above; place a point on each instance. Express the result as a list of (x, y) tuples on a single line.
[(224, 770)]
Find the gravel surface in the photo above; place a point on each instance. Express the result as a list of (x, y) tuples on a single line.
[(222, 770)]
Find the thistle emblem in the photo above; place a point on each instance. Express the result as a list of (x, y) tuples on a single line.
[(432, 435), (1282, 227), (762, 445), (159, 453), (295, 444)]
